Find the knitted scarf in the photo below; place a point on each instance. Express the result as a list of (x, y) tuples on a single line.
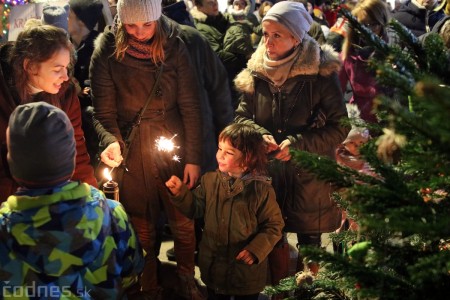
[(138, 49)]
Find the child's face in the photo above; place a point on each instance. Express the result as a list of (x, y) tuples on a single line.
[(229, 159), (353, 146)]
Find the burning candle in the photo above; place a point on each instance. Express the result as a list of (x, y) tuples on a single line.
[(110, 188)]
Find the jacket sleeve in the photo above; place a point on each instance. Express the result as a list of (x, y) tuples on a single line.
[(246, 111), (191, 203), (103, 88), (83, 169), (217, 87), (188, 102), (270, 227), (324, 138)]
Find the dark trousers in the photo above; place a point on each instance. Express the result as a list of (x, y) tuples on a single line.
[(184, 241)]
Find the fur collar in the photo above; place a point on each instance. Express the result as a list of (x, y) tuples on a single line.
[(312, 61), (198, 15)]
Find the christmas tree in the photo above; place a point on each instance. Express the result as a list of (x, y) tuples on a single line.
[(402, 247)]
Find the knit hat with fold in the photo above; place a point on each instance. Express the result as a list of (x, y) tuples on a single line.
[(88, 11), (41, 145), (133, 11), (55, 15), (291, 15)]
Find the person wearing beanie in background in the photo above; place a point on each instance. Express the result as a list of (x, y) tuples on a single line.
[(125, 65), (291, 95), (83, 17), (56, 16), (35, 68), (57, 236)]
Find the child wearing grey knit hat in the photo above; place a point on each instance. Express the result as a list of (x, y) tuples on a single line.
[(134, 11), (291, 15)]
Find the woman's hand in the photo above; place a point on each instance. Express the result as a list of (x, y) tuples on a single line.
[(246, 257), (271, 144), (284, 154), (191, 175), (174, 185), (112, 156)]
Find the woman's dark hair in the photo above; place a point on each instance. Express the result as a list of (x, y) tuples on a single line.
[(36, 45), (250, 142)]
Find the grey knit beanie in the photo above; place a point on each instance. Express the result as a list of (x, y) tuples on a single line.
[(292, 15), (133, 11), (56, 16), (41, 145)]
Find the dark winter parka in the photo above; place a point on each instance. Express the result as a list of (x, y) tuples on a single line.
[(120, 89), (418, 20), (239, 214), (66, 99), (307, 110)]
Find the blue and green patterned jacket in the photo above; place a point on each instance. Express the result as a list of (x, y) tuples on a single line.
[(71, 243)]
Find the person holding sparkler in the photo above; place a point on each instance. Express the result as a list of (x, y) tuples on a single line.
[(243, 221), (125, 67)]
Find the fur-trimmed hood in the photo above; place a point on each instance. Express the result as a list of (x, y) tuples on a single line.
[(312, 60), (198, 15)]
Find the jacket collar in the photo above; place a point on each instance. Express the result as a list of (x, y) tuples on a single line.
[(313, 60)]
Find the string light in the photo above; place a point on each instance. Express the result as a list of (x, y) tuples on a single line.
[(7, 4)]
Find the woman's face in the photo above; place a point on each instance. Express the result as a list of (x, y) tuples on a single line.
[(278, 40), (49, 75), (370, 23), (229, 159), (141, 31)]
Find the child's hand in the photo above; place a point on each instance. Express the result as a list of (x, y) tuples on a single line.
[(246, 256), (174, 185)]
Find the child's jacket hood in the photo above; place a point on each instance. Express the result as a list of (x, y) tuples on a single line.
[(58, 238)]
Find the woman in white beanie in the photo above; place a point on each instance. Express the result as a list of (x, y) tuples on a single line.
[(124, 68), (291, 95)]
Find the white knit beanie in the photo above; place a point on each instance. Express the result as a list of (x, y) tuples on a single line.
[(292, 15), (133, 11)]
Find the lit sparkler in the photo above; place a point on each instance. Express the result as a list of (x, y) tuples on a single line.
[(167, 145)]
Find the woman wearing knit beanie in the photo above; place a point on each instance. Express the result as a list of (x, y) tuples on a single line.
[(291, 94), (124, 68)]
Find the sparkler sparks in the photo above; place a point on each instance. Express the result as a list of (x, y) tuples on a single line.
[(167, 145)]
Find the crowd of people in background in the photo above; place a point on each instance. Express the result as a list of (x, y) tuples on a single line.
[(235, 84)]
